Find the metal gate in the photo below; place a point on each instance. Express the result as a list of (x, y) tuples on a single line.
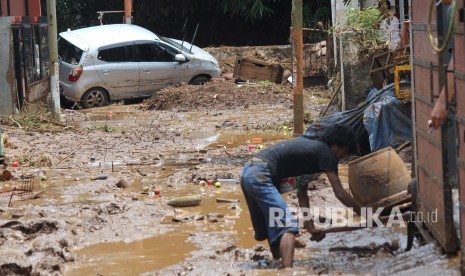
[(317, 51), (30, 41)]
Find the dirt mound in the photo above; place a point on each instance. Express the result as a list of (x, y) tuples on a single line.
[(218, 95)]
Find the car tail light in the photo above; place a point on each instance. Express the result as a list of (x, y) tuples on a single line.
[(75, 74)]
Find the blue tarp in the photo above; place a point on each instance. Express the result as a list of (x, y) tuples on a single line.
[(388, 123), (386, 119)]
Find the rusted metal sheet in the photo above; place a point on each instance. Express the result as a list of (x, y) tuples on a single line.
[(426, 87), (420, 9), (434, 185), (38, 91), (459, 66), (422, 46), (459, 43), (460, 97)]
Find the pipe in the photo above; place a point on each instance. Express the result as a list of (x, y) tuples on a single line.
[(128, 11)]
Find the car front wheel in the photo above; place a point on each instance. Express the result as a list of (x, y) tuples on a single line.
[(94, 97), (199, 80)]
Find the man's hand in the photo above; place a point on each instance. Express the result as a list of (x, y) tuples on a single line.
[(317, 235), (439, 114), (342, 194)]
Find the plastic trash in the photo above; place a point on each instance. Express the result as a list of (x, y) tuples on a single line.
[(228, 180)]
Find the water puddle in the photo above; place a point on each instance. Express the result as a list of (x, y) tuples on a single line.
[(173, 247), (234, 217), (133, 258), (229, 140)]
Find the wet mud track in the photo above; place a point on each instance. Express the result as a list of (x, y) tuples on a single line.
[(80, 224)]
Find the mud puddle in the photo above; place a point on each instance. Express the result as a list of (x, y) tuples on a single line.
[(251, 139), (226, 220), (133, 258)]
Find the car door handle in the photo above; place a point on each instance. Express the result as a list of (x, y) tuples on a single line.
[(146, 70), (106, 72)]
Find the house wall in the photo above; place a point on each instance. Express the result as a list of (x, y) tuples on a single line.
[(21, 8), (7, 77)]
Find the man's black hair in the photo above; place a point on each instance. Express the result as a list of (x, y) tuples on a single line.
[(388, 4), (340, 135)]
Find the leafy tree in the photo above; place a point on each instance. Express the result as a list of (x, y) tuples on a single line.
[(250, 9), (233, 22)]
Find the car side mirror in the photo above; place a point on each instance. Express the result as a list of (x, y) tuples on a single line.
[(180, 58)]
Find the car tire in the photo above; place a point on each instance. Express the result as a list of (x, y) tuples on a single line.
[(94, 97), (199, 80)]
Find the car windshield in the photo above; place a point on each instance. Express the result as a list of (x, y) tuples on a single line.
[(175, 44), (68, 52)]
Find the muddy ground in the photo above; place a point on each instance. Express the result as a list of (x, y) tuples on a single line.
[(73, 225)]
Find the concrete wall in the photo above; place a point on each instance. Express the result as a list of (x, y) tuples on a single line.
[(357, 81), (7, 77)]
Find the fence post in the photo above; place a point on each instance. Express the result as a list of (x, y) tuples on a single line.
[(297, 78), (53, 57)]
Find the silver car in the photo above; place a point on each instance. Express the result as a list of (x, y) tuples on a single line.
[(123, 61)]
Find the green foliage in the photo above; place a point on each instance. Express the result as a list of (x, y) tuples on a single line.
[(365, 20), (251, 9), (362, 27)]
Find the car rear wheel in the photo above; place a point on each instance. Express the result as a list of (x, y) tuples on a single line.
[(199, 80), (94, 97)]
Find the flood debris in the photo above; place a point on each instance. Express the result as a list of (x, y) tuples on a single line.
[(227, 249), (300, 243), (122, 183), (185, 201), (187, 218), (227, 200), (371, 249), (100, 177)]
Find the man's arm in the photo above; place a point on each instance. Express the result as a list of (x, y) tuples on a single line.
[(304, 202), (342, 194), (439, 113)]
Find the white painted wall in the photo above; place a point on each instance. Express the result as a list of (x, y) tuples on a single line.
[(341, 10), (369, 3)]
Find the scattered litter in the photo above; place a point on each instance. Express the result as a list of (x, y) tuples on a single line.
[(101, 177), (122, 183), (185, 201), (228, 180), (226, 200)]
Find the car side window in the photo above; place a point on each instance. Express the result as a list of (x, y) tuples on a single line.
[(153, 52), (116, 54)]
